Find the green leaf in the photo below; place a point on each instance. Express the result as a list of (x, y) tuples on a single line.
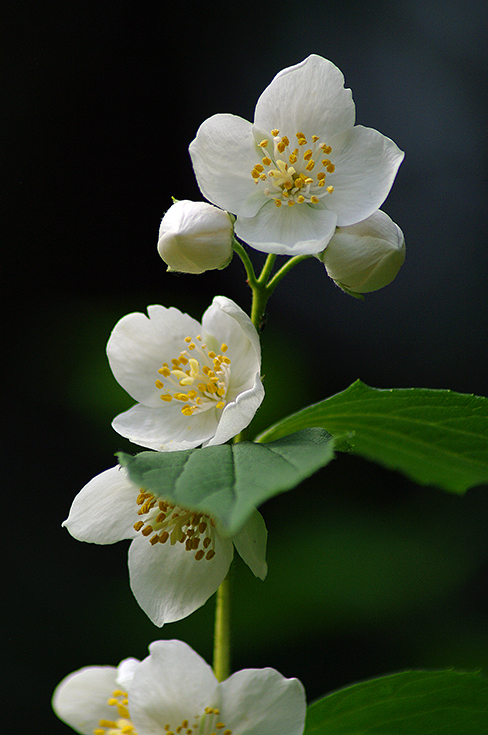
[(229, 481), (436, 437), (409, 703)]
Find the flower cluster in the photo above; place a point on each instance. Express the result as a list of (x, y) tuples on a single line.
[(173, 690), (302, 180)]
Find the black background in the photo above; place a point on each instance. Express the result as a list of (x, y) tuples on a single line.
[(368, 573)]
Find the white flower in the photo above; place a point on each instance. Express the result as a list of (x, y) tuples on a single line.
[(174, 690), (302, 168), (195, 237), (177, 558), (366, 256), (92, 697), (194, 383)]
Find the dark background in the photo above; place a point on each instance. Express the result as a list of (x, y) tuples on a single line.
[(369, 573)]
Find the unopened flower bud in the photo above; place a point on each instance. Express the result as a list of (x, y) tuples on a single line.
[(195, 237), (366, 256)]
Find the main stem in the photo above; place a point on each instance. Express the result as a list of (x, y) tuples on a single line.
[(262, 288), (221, 658)]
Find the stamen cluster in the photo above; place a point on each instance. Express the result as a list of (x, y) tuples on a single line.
[(206, 372), (290, 171), (167, 522), (122, 725), (208, 724)]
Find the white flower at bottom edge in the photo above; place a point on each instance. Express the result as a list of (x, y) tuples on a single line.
[(177, 558), (194, 383), (366, 256), (174, 690)]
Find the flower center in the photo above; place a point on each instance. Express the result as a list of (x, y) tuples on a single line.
[(167, 522), (205, 373), (122, 725), (208, 724), (286, 174)]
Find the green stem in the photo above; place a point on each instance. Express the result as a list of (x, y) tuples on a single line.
[(267, 268), (241, 252), (221, 659), (283, 271)]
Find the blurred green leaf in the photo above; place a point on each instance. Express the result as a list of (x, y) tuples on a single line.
[(229, 481), (408, 703), (436, 437)]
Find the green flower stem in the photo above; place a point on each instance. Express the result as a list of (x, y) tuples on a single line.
[(291, 263), (264, 285), (241, 252), (221, 658), (267, 269), (262, 288)]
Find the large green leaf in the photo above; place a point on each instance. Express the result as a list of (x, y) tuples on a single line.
[(230, 481), (409, 703), (436, 437)]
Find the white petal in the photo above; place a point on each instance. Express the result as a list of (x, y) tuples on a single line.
[(238, 414), (166, 431), (105, 510), (167, 581), (172, 684), (297, 230), (80, 699), (139, 345), (125, 672), (366, 163), (309, 98), (257, 701), (250, 542), (223, 154), (230, 324)]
